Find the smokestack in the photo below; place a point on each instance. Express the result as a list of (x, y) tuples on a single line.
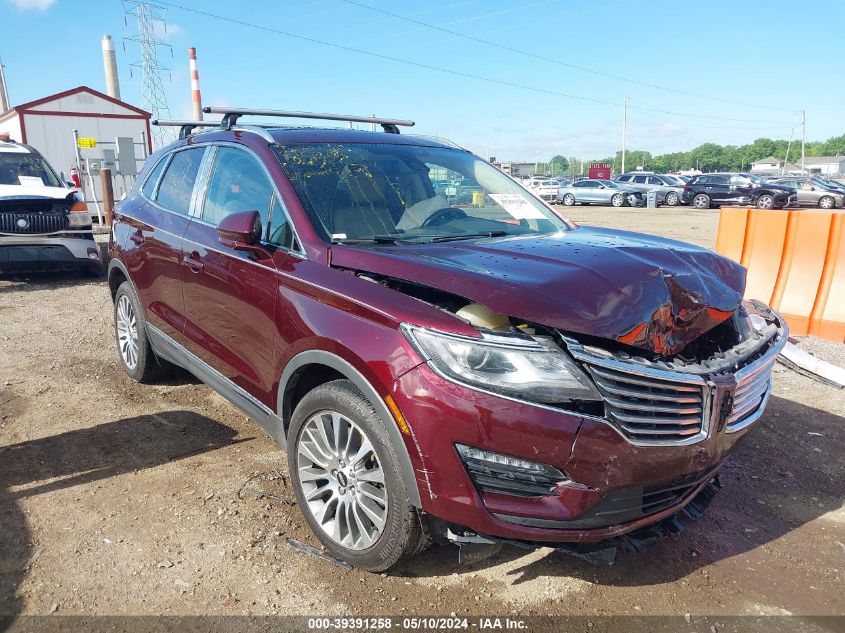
[(196, 97), (4, 95), (110, 67)]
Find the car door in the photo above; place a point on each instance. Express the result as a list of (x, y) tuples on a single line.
[(154, 244), (719, 189), (588, 191), (808, 195), (230, 294)]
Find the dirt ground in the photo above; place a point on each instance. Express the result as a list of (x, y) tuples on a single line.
[(118, 498)]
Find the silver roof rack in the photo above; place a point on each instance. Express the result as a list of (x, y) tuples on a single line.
[(231, 115), (186, 127)]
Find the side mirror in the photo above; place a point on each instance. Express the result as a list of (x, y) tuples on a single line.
[(242, 232)]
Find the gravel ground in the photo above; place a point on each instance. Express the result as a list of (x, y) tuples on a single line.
[(118, 498)]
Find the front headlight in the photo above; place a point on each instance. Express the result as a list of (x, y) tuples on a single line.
[(527, 369), (79, 219)]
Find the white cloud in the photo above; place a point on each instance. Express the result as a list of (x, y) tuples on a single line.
[(32, 5), (166, 31)]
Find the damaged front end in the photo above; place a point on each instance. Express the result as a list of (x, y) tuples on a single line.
[(719, 383)]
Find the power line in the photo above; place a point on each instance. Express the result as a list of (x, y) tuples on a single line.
[(456, 73), (559, 62)]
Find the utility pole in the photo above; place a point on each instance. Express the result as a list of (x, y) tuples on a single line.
[(624, 130), (4, 94), (786, 158), (803, 137)]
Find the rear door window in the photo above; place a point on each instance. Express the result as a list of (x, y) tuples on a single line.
[(177, 184)]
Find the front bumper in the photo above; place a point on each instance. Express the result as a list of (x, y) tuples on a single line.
[(615, 485), (28, 253)]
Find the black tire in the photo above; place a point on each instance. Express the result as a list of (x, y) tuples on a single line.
[(402, 535), (765, 201), (569, 200), (701, 201), (672, 199), (148, 367), (618, 200), (826, 202)]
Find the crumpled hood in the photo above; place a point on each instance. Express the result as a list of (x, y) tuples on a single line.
[(641, 290)]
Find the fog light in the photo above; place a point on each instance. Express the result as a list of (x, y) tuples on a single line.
[(93, 254), (495, 472)]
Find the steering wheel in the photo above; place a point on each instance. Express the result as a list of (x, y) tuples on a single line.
[(442, 216)]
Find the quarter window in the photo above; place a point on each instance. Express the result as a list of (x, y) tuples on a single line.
[(149, 188), (177, 184)]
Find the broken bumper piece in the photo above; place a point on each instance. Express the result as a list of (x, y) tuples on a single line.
[(473, 547)]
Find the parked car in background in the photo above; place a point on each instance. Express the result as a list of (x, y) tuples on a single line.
[(546, 189), (596, 191), (44, 224), (669, 191), (713, 190), (815, 193), (535, 180), (460, 375)]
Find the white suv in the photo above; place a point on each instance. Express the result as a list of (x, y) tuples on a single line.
[(44, 224)]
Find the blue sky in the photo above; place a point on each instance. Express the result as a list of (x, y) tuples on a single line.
[(755, 53)]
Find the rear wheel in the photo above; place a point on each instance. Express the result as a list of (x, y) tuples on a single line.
[(617, 200), (826, 202), (765, 202), (672, 199), (701, 201), (569, 199), (345, 474), (137, 357)]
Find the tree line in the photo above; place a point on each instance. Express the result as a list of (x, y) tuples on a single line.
[(707, 157)]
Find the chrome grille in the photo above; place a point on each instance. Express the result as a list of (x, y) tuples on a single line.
[(35, 223), (652, 410), (753, 386)]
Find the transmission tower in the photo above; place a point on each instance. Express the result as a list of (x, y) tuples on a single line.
[(153, 96)]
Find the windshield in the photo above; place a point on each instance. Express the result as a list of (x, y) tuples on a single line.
[(380, 191), (26, 169)]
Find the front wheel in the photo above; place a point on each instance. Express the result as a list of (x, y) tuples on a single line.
[(672, 199), (765, 202), (617, 200), (701, 201), (346, 477), (569, 200)]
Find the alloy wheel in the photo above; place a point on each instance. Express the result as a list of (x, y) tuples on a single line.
[(672, 198), (826, 202), (342, 480), (569, 199), (765, 202), (701, 202), (127, 331), (617, 200)]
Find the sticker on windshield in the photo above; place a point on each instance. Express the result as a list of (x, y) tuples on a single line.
[(30, 181), (517, 206)]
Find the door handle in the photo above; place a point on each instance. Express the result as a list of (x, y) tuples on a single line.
[(137, 237), (192, 263)]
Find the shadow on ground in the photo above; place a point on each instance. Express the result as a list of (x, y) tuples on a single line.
[(30, 282), (81, 456), (785, 473)]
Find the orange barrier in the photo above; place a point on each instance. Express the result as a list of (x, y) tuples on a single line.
[(795, 261)]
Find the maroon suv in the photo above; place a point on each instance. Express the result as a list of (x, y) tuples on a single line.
[(439, 365)]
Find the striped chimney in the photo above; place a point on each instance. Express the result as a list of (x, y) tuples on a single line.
[(196, 97)]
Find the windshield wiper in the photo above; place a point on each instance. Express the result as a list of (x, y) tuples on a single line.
[(468, 236)]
